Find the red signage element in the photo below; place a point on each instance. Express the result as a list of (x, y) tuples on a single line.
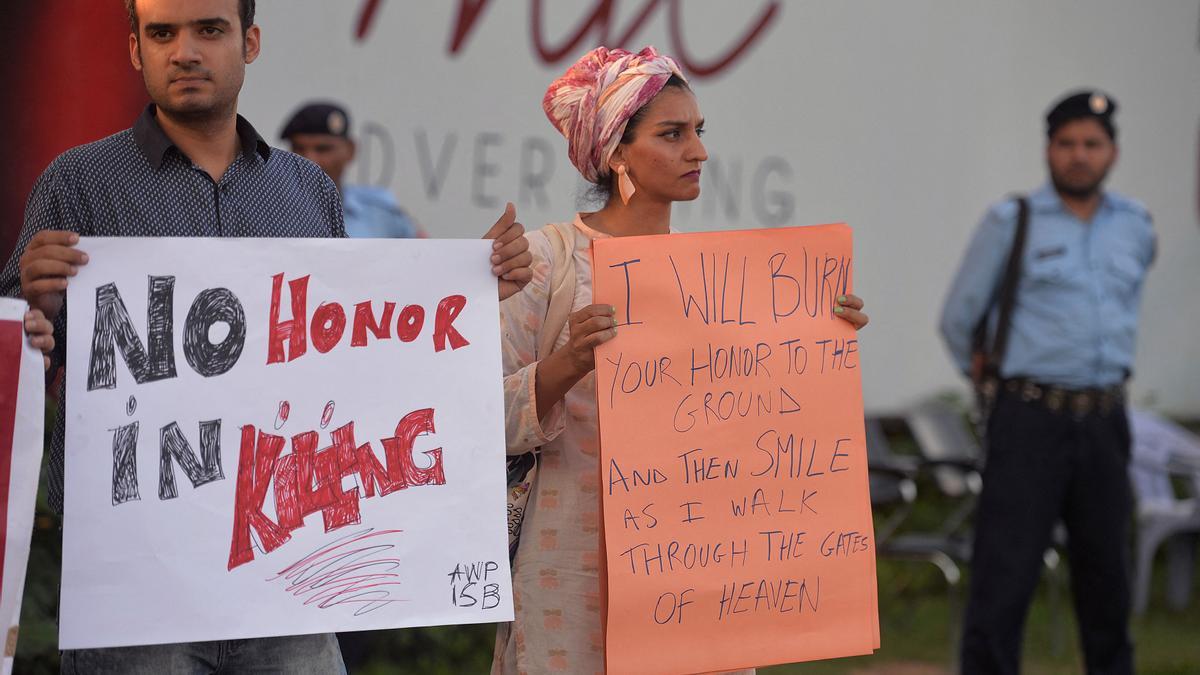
[(12, 337), (600, 23), (309, 480)]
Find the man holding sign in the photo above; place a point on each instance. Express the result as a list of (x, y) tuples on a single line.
[(190, 166)]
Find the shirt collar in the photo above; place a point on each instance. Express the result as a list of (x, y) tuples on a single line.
[(154, 143), (1046, 199)]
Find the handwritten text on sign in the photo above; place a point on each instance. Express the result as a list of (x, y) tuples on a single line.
[(275, 437), (736, 514)]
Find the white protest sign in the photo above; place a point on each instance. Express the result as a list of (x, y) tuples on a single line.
[(22, 417), (278, 437)]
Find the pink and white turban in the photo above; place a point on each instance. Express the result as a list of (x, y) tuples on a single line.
[(593, 100)]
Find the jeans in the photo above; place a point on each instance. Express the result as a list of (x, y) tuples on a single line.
[(292, 654)]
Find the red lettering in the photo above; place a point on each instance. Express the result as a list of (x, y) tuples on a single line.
[(321, 476), (328, 324), (447, 311), (291, 330), (287, 492), (256, 463), (307, 480), (598, 23), (600, 18), (288, 339), (316, 489), (679, 50), (340, 508), (468, 11), (399, 450), (364, 321), (360, 459), (408, 326), (365, 18)]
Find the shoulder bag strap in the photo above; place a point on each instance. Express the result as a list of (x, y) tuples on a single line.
[(1007, 296), (562, 285)]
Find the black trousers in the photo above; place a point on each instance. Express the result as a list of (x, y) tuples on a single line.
[(1044, 466)]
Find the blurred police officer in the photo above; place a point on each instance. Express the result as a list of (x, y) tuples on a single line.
[(320, 131), (1057, 436)]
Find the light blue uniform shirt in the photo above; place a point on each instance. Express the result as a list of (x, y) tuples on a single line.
[(1074, 323), (372, 213)]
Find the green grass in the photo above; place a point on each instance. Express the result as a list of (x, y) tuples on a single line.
[(915, 629)]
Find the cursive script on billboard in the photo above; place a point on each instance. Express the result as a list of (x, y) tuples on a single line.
[(600, 23)]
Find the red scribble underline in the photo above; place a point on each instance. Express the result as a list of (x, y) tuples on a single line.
[(346, 571)]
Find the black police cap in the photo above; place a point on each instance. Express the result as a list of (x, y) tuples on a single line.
[(318, 118), (1086, 104)]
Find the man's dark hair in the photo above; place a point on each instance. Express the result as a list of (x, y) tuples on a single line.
[(245, 13)]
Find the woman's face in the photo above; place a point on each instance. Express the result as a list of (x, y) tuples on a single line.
[(665, 155)]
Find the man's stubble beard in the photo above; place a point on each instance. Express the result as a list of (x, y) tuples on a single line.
[(1076, 191), (196, 115), (219, 108)]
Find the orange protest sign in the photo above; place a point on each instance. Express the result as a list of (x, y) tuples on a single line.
[(737, 519)]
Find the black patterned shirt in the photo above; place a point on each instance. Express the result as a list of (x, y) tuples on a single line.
[(136, 183)]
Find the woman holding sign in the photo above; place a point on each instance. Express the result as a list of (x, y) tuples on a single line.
[(633, 129)]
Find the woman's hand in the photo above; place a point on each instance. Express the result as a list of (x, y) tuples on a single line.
[(589, 328), (41, 334), (849, 307)]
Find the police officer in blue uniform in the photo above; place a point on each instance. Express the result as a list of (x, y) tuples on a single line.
[(320, 132), (1057, 435)]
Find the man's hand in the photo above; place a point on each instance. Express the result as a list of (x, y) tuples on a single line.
[(41, 334), (48, 261), (511, 258)]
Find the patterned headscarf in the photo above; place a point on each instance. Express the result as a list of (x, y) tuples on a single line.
[(593, 100)]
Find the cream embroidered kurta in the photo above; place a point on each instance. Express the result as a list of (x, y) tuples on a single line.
[(556, 575)]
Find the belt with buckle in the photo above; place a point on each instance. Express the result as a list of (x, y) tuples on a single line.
[(1077, 402)]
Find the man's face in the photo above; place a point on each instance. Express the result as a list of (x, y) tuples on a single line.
[(331, 153), (192, 55), (1079, 155)]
